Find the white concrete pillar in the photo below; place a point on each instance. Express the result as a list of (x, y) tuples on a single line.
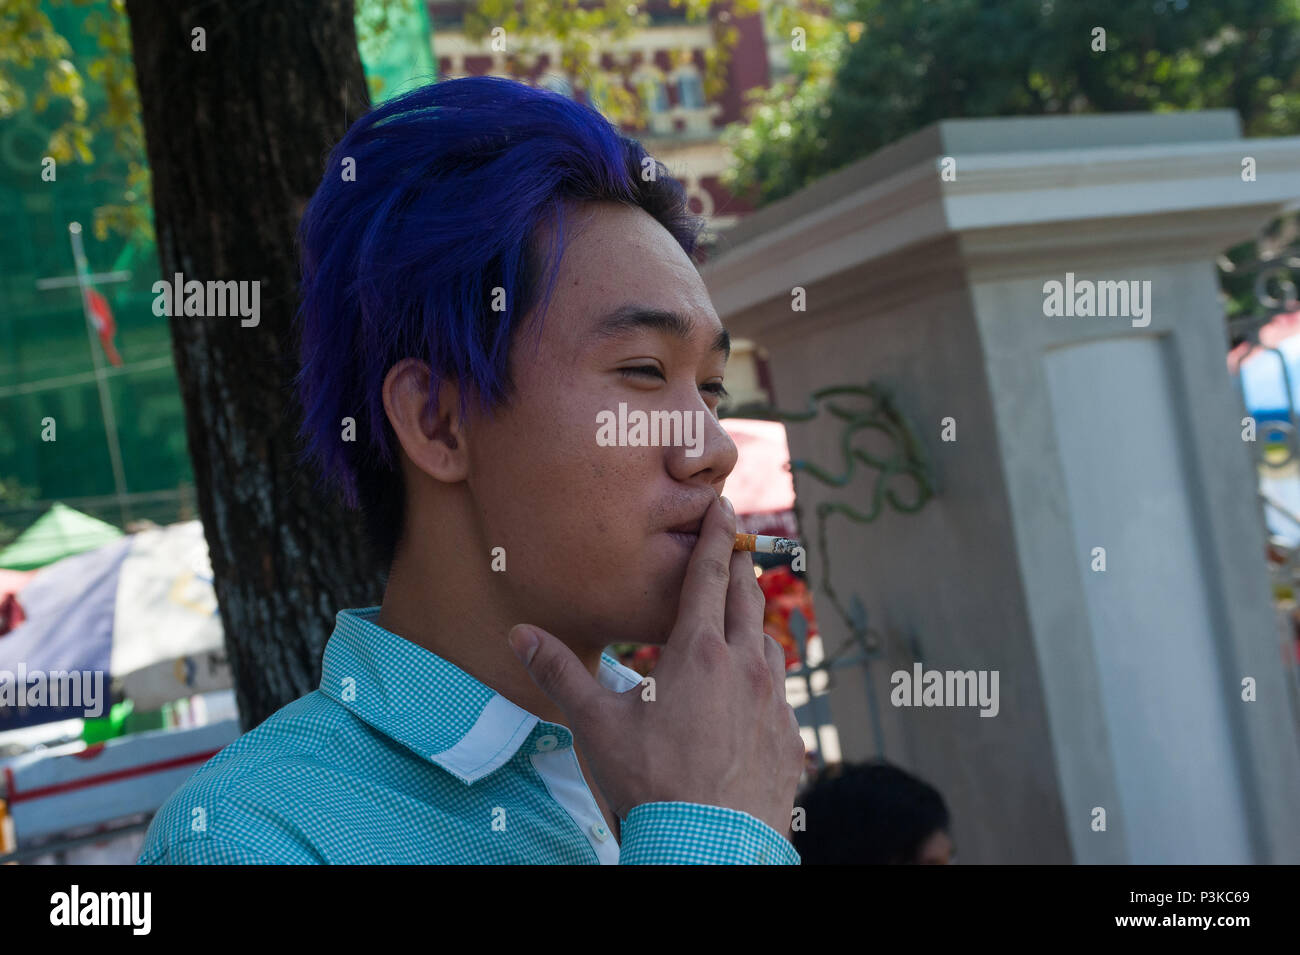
[(1120, 689)]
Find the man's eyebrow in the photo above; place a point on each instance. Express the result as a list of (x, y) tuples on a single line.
[(631, 317)]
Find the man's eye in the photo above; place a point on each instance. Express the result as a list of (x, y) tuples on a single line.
[(641, 370), (713, 388)]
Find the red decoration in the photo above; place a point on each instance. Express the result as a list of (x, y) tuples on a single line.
[(11, 613), (784, 592), (102, 318)]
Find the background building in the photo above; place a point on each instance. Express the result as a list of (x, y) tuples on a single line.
[(665, 64)]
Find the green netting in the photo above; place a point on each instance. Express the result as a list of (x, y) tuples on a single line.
[(400, 57), (47, 370), (46, 366)]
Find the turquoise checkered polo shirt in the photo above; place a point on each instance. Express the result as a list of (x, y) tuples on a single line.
[(402, 757)]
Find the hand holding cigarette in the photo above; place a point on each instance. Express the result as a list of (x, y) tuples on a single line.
[(719, 731)]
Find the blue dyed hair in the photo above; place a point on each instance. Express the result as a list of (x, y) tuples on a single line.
[(455, 184)]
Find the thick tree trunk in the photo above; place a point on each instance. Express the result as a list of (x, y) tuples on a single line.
[(237, 138)]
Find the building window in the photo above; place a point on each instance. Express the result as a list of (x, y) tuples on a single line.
[(690, 91), (654, 95)]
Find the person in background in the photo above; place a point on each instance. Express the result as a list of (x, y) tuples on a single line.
[(872, 813)]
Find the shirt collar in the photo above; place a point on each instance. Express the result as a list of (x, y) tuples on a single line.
[(433, 707)]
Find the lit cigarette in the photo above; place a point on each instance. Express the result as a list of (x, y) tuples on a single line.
[(766, 545)]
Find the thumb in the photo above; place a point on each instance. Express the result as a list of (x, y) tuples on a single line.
[(554, 668)]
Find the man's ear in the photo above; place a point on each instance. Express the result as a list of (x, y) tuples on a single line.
[(432, 437)]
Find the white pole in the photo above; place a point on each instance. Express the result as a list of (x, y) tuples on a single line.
[(105, 399)]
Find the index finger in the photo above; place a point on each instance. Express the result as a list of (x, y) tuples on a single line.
[(703, 606)]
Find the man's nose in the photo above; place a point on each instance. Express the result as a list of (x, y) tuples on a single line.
[(706, 449)]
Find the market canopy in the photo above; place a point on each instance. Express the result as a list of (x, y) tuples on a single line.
[(60, 532), (140, 610)]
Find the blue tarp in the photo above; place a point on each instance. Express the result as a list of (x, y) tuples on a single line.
[(69, 627), (1263, 385)]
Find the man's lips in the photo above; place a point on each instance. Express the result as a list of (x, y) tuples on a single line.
[(687, 530)]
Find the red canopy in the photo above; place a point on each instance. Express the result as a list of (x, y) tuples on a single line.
[(761, 487), (1280, 328), (11, 613)]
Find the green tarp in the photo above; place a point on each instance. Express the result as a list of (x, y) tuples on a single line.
[(60, 532)]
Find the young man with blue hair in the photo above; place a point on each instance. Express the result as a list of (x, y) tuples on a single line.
[(489, 269)]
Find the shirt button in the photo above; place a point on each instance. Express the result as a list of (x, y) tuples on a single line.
[(546, 743), (600, 831)]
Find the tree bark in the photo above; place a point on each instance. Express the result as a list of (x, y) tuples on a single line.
[(237, 136)]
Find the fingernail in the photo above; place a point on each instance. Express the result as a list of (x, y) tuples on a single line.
[(727, 504), (523, 641)]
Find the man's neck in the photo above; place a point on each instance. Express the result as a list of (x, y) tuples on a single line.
[(452, 612)]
